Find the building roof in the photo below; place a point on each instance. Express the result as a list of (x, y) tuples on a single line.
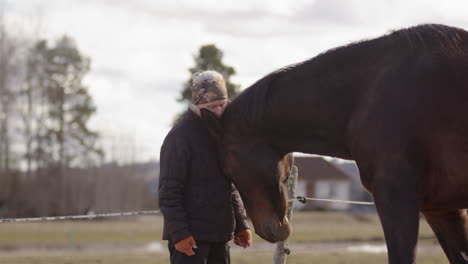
[(317, 168)]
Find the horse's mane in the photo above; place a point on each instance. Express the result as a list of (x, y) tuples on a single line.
[(417, 40), (447, 40), (251, 104)]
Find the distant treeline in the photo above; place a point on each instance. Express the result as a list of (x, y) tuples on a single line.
[(50, 160), (106, 189)]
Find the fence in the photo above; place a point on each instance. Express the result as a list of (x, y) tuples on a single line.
[(281, 252)]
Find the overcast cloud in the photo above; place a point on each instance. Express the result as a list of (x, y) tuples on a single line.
[(141, 49)]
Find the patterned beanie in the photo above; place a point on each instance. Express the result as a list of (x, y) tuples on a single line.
[(207, 87)]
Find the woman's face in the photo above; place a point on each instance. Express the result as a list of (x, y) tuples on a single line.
[(217, 107)]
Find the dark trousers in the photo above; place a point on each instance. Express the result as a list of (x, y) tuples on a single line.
[(205, 253)]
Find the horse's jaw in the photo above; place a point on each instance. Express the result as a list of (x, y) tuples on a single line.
[(274, 231)]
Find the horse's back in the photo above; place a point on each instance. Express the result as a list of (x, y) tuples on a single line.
[(418, 106), (445, 129)]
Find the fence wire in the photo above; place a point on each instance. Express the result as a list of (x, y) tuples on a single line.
[(75, 217), (92, 216), (303, 199)]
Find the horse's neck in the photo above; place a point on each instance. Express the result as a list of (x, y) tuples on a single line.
[(310, 107)]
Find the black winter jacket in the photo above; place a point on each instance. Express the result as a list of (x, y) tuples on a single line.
[(195, 197)]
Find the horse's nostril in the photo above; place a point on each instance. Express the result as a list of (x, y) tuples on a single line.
[(277, 232), (269, 231)]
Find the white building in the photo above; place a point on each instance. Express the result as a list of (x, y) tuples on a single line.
[(320, 179)]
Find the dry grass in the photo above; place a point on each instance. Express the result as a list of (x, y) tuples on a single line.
[(334, 226), (82, 232), (309, 227), (237, 258)]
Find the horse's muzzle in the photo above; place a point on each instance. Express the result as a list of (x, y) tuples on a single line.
[(274, 231)]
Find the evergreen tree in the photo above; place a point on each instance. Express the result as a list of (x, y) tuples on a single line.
[(67, 100)]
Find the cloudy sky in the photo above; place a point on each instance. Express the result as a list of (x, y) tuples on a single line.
[(141, 49)]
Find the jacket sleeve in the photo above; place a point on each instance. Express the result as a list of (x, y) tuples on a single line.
[(239, 211), (172, 181)]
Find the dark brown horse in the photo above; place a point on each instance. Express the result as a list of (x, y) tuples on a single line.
[(397, 105)]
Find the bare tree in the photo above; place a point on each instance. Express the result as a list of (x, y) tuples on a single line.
[(50, 161), (63, 139), (10, 74)]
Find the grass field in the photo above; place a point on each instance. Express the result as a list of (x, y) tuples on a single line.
[(123, 241), (237, 258)]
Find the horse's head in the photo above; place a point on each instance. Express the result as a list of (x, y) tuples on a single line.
[(260, 174)]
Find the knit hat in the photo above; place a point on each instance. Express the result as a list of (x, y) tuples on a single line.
[(207, 87)]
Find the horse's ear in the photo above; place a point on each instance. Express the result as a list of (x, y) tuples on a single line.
[(213, 123)]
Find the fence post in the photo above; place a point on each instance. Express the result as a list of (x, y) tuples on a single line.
[(282, 249)]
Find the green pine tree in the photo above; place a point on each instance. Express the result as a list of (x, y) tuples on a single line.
[(70, 106)]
